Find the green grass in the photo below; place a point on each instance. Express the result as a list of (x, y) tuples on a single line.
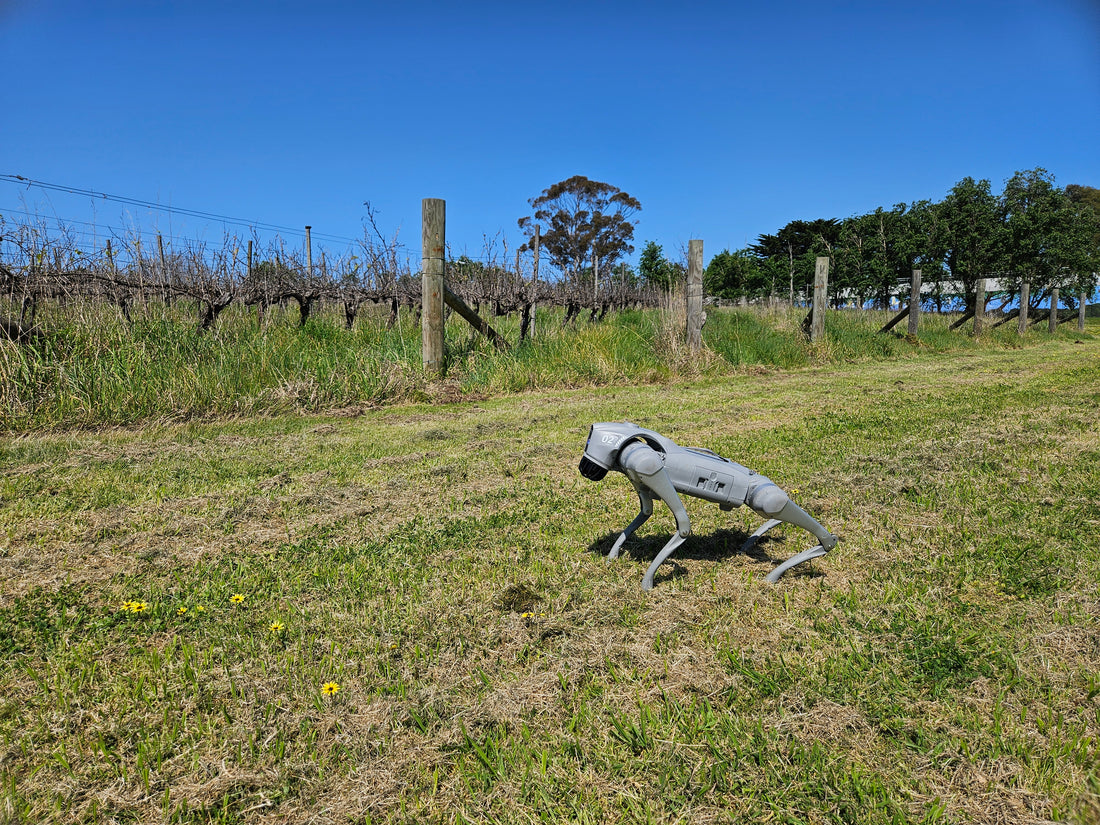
[(94, 368), (443, 565)]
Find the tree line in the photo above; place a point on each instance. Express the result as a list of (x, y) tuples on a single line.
[(1031, 232)]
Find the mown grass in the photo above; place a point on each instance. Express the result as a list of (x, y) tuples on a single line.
[(94, 368), (443, 566)]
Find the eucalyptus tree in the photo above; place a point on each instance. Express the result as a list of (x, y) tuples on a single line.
[(579, 217)]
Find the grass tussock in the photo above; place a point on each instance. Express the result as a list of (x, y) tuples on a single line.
[(405, 615), (93, 367)]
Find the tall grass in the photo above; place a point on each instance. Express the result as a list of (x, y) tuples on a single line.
[(93, 367)]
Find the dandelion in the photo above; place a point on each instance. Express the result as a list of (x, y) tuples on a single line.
[(276, 627), (236, 598), (330, 688)]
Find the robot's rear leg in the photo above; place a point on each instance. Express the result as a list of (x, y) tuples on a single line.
[(751, 541), (769, 500)]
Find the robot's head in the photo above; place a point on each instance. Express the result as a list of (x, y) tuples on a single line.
[(601, 451)]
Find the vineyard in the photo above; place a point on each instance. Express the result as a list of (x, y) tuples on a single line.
[(40, 263)]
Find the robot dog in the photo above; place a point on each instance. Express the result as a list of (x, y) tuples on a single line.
[(658, 467)]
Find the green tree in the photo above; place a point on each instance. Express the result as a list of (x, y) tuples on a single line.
[(579, 217), (1038, 218), (796, 245), (734, 276), (654, 268), (1085, 201), (1084, 194), (971, 234)]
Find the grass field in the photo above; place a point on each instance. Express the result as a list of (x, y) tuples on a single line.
[(175, 598)]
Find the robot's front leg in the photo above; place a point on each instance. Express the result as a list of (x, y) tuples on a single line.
[(645, 502), (645, 468)]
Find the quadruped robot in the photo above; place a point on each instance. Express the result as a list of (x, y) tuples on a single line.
[(659, 467)]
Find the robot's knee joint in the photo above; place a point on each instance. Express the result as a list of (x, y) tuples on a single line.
[(769, 500)]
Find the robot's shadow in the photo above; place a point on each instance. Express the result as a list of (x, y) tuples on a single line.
[(721, 545)]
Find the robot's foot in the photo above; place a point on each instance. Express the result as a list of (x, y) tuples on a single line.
[(666, 551), (794, 561), (614, 554)]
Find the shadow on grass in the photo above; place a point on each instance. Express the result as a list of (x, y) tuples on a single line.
[(721, 545)]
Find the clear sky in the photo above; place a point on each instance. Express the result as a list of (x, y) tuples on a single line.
[(726, 120)]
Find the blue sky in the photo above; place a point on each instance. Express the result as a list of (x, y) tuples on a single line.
[(726, 120)]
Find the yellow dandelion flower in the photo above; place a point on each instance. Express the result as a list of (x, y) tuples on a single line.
[(236, 598), (276, 627), (330, 688)]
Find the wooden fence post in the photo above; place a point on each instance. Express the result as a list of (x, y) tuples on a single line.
[(1081, 311), (141, 271), (535, 279), (309, 255), (821, 292), (595, 280), (914, 303), (694, 296), (979, 306), (1025, 297), (433, 222), (1052, 324)]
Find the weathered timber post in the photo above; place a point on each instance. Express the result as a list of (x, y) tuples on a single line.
[(164, 268), (1081, 311), (979, 306), (535, 280), (694, 296), (433, 222), (1052, 323), (595, 280), (1025, 297), (821, 291), (914, 303), (141, 271), (309, 255)]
